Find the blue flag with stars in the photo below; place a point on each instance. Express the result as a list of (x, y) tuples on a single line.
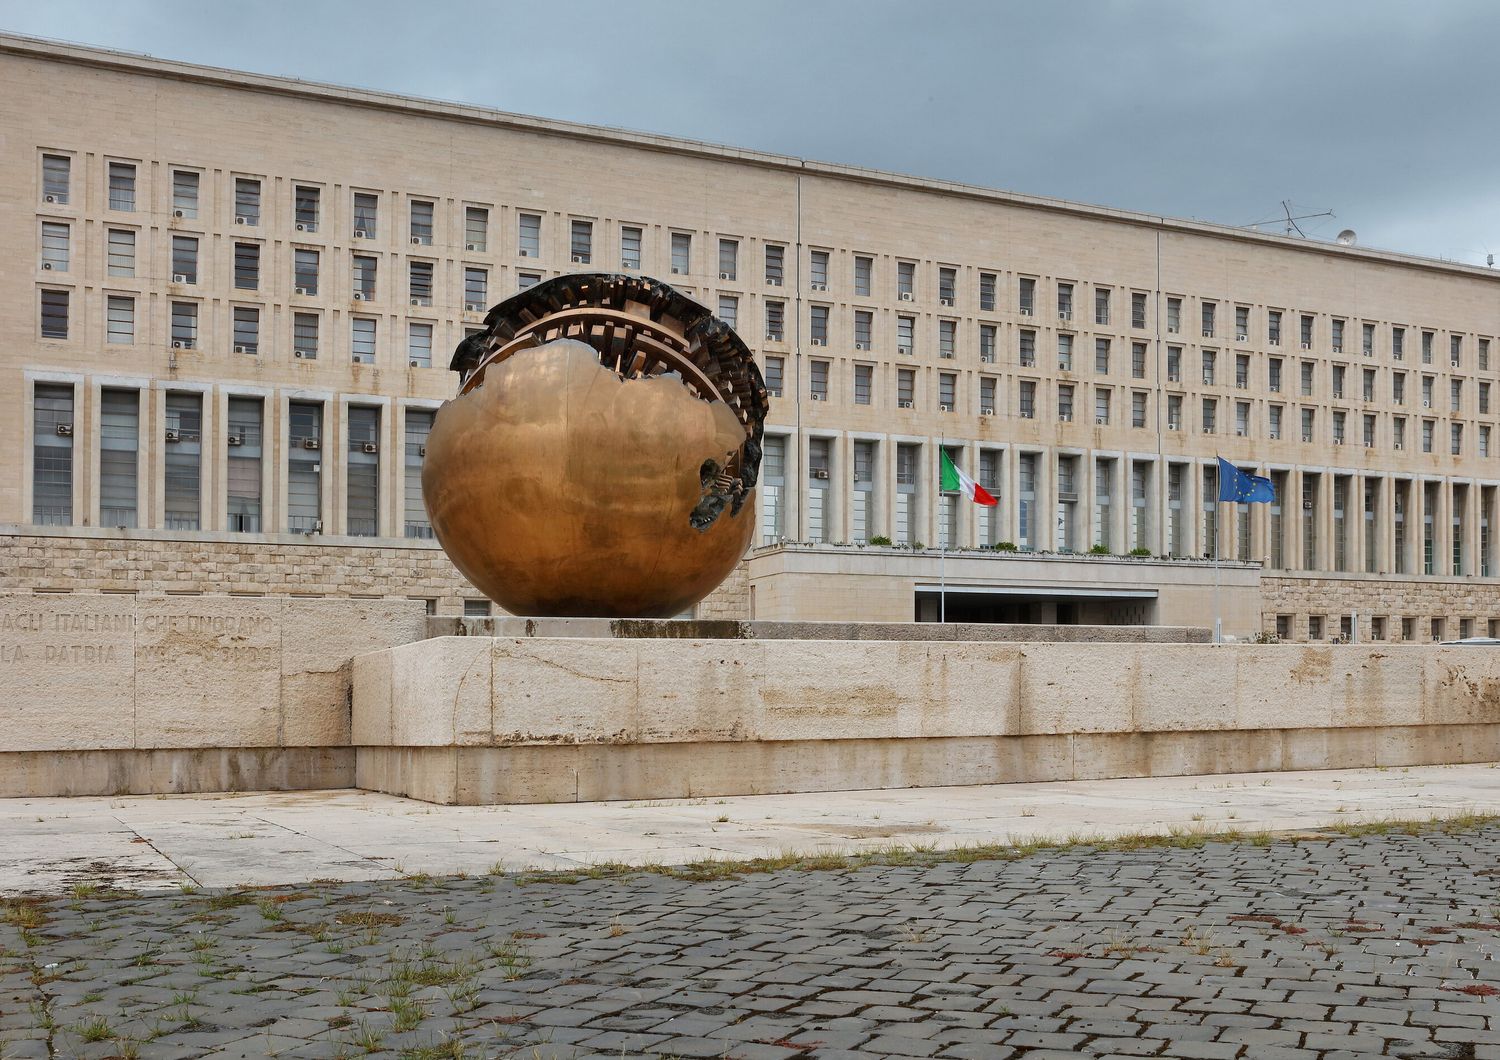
[(1235, 485)]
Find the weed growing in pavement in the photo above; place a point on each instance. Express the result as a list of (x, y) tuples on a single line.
[(95, 1029)]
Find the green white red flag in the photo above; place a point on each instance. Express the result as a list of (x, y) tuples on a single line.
[(954, 480)]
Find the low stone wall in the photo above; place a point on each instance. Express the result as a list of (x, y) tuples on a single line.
[(107, 694), (466, 720), (1389, 596), (674, 629)]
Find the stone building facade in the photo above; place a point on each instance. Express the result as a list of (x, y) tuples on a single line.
[(227, 317)]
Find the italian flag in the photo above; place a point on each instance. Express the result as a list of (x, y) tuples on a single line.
[(955, 481)]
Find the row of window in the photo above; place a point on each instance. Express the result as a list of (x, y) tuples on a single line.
[(1382, 627), (183, 446), (306, 211)]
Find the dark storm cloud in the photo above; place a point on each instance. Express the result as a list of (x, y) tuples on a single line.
[(1380, 110)]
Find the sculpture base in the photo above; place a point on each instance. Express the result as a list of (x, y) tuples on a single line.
[(476, 721)]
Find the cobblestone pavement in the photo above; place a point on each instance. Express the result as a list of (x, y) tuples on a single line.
[(1326, 946)]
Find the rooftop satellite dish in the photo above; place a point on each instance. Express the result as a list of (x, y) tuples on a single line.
[(1347, 237)]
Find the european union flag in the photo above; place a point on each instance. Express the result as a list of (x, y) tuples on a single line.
[(1235, 485)]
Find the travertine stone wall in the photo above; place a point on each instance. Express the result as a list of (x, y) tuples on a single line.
[(549, 720), (1334, 596), (132, 673)]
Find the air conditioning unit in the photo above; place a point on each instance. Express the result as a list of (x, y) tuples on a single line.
[(369, 447), (819, 286), (820, 472), (415, 364), (945, 301), (906, 296), (1242, 337), (1242, 384), (421, 450), (1307, 345), (1028, 414), (905, 351), (579, 259), (173, 436), (1026, 311), (1208, 334), (820, 342), (773, 282), (49, 198), (235, 439), (241, 221), (1307, 506), (179, 214), (311, 443), (1208, 428), (1338, 441), (179, 277), (1173, 426), (360, 233), (416, 301), (987, 410), (242, 349), (471, 247), (726, 275), (1452, 364), (1275, 436), (1396, 446), (629, 265), (1369, 444), (945, 408), (861, 345), (675, 270), (65, 430), (1208, 379), (179, 344), (773, 336), (301, 226), (1427, 404), (1275, 388), (817, 396), (1065, 417), (304, 290), (1100, 421), (299, 353), (526, 254), (1239, 432), (360, 296), (1171, 330), (1063, 314), (907, 404), (46, 266)]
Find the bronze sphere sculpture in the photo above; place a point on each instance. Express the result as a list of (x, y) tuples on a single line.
[(601, 455)]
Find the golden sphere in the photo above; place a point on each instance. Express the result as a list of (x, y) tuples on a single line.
[(559, 486)]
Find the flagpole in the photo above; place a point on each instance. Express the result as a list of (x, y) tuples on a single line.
[(1218, 519), (942, 544)]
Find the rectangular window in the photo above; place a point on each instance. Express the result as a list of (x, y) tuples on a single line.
[(52, 455), (121, 252), (630, 247), (305, 335), (184, 193), (987, 285), (362, 333), (947, 391), (864, 323), (1398, 343), (1484, 355), (1273, 327), (476, 289), (581, 242), (947, 286), (244, 472), (818, 269), (1101, 356), (1426, 347), (1138, 310), (305, 271), (1174, 315), (362, 477), (304, 487), (420, 223), (906, 388), (246, 329), (122, 187), (419, 282), (1138, 408), (988, 398), (1065, 352), (247, 266), (1209, 309), (1210, 415), (57, 179), (864, 275), (1241, 323), (905, 335), (864, 377), (1027, 351), (119, 450), (729, 259), (418, 427), (947, 339), (55, 240), (775, 321), (775, 265), (120, 320), (1338, 335), (1064, 403), (818, 379), (1455, 350), (184, 325), (1026, 296), (184, 462), (1101, 305), (1138, 360), (529, 235), (476, 229), (1026, 400), (988, 339), (775, 371), (246, 201), (1064, 301), (818, 325), (54, 314), (906, 280), (184, 259), (1174, 364), (729, 309), (1275, 421), (682, 253), (1101, 407), (365, 267), (418, 345), (366, 214), (306, 201), (1367, 340), (1368, 386)]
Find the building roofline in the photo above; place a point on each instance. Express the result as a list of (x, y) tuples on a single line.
[(148, 65)]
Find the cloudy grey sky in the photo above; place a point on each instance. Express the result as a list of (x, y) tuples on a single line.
[(1380, 110)]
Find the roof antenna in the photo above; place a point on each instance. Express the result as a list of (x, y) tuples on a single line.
[(1289, 219)]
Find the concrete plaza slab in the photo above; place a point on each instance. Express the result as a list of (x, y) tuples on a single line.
[(160, 842)]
